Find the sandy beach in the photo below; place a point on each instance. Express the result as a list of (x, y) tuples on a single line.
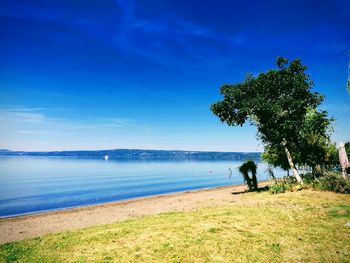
[(29, 226)]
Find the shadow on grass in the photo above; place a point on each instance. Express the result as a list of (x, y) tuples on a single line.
[(260, 189)]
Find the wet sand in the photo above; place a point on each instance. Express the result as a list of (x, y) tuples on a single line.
[(29, 226)]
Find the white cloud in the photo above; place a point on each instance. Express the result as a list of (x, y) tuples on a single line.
[(32, 129), (21, 127)]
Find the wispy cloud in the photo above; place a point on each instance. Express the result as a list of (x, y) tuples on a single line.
[(23, 120), (34, 129), (154, 39), (120, 123), (34, 122), (167, 32)]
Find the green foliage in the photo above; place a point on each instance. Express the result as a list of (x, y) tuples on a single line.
[(282, 106), (315, 147), (249, 167), (329, 182), (284, 184), (332, 155), (275, 156), (276, 101)]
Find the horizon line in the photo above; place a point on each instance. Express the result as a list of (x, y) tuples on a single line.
[(94, 150)]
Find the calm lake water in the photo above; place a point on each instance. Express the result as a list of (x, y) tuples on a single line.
[(36, 184)]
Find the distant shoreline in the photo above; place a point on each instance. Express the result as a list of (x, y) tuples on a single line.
[(139, 154)]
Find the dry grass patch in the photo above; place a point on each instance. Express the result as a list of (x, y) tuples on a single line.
[(305, 226)]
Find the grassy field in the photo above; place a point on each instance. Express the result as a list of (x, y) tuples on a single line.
[(305, 226)]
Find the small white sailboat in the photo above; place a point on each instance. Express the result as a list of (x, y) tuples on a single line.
[(106, 157)]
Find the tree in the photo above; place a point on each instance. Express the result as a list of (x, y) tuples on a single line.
[(244, 169), (276, 102), (314, 146), (275, 156)]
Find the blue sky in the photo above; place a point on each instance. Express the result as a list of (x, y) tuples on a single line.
[(142, 74)]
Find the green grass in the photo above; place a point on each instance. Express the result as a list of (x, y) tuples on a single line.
[(305, 226)]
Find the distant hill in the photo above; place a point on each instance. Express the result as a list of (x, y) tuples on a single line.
[(141, 154)]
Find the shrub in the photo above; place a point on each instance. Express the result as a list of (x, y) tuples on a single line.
[(284, 184), (328, 181), (247, 167), (331, 182)]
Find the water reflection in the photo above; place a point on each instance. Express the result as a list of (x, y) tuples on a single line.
[(33, 184)]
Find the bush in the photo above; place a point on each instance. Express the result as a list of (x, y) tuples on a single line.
[(247, 167), (331, 182), (328, 181), (309, 178), (284, 184)]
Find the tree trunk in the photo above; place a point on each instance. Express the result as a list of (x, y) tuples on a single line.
[(291, 164), (272, 175)]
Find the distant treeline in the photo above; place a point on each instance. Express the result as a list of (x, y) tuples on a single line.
[(142, 154)]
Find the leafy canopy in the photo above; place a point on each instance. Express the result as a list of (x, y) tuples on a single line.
[(281, 104), (314, 140), (275, 101), (314, 146)]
